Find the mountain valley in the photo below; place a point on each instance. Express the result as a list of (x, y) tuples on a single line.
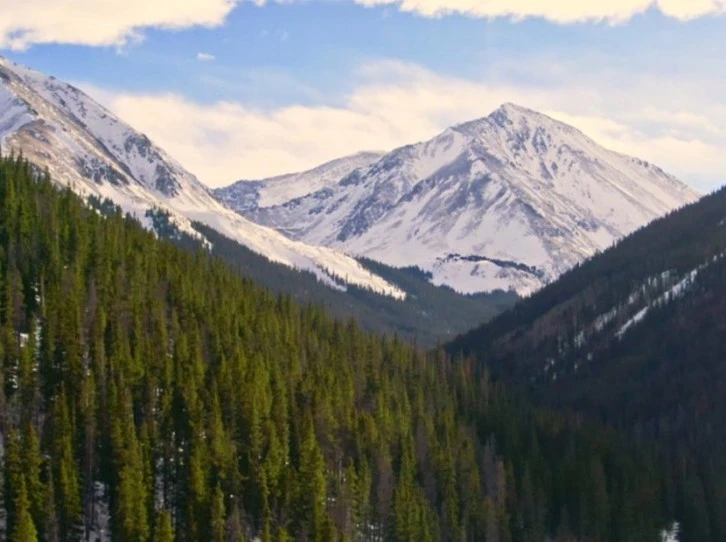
[(585, 406)]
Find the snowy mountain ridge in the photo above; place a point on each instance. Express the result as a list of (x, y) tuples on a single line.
[(85, 147), (509, 201), (251, 195)]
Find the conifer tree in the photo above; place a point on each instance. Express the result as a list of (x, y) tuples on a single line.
[(163, 531), (313, 493), (23, 528), (218, 522)]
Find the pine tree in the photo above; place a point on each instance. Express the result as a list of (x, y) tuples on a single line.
[(66, 475), (131, 508), (219, 520), (13, 476), (24, 528), (163, 532), (51, 528), (34, 466), (313, 493)]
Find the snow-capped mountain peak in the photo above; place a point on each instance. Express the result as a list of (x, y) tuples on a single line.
[(85, 147), (510, 200)]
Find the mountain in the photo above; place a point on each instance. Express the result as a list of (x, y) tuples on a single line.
[(85, 147), (634, 337), (509, 201), (149, 393), (246, 196)]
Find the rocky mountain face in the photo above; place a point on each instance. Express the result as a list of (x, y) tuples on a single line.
[(509, 201), (85, 147), (248, 196)]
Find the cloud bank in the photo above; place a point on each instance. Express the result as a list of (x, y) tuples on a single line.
[(119, 22), (558, 11), (395, 104), (101, 22)]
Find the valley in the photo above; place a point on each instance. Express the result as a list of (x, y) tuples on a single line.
[(505, 333)]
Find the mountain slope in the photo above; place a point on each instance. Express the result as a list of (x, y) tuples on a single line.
[(609, 297), (635, 337), (86, 148), (508, 201), (246, 196)]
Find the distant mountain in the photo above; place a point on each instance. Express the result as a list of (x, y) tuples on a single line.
[(85, 147), (247, 196), (635, 337), (509, 201)]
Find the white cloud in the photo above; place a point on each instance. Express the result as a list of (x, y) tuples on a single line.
[(394, 104), (101, 22), (559, 11), (119, 22), (205, 57), (682, 153)]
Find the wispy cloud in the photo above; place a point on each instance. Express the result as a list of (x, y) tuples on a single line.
[(205, 57), (395, 103), (559, 11)]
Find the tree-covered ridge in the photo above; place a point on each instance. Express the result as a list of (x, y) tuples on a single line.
[(154, 387), (429, 315), (634, 337)]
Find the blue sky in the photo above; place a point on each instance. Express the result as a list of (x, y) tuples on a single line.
[(245, 90)]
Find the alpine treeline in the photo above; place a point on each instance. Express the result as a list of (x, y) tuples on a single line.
[(149, 393)]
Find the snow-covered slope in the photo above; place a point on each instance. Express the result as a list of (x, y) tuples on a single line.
[(86, 147), (247, 196), (508, 201)]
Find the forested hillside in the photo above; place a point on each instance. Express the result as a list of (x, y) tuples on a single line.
[(635, 337), (429, 315), (100, 157), (150, 394)]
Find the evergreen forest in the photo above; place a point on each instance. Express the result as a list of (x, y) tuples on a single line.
[(660, 381), (150, 393)]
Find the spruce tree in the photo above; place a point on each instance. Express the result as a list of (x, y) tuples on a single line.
[(163, 530), (23, 528)]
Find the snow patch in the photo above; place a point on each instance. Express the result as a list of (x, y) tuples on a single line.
[(671, 534), (100, 521), (674, 292)]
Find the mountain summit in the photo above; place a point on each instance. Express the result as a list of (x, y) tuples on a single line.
[(508, 201), (85, 147)]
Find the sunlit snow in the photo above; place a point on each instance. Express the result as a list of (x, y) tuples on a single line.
[(88, 149), (516, 186)]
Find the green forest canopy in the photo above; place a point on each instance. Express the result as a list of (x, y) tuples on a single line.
[(159, 384)]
